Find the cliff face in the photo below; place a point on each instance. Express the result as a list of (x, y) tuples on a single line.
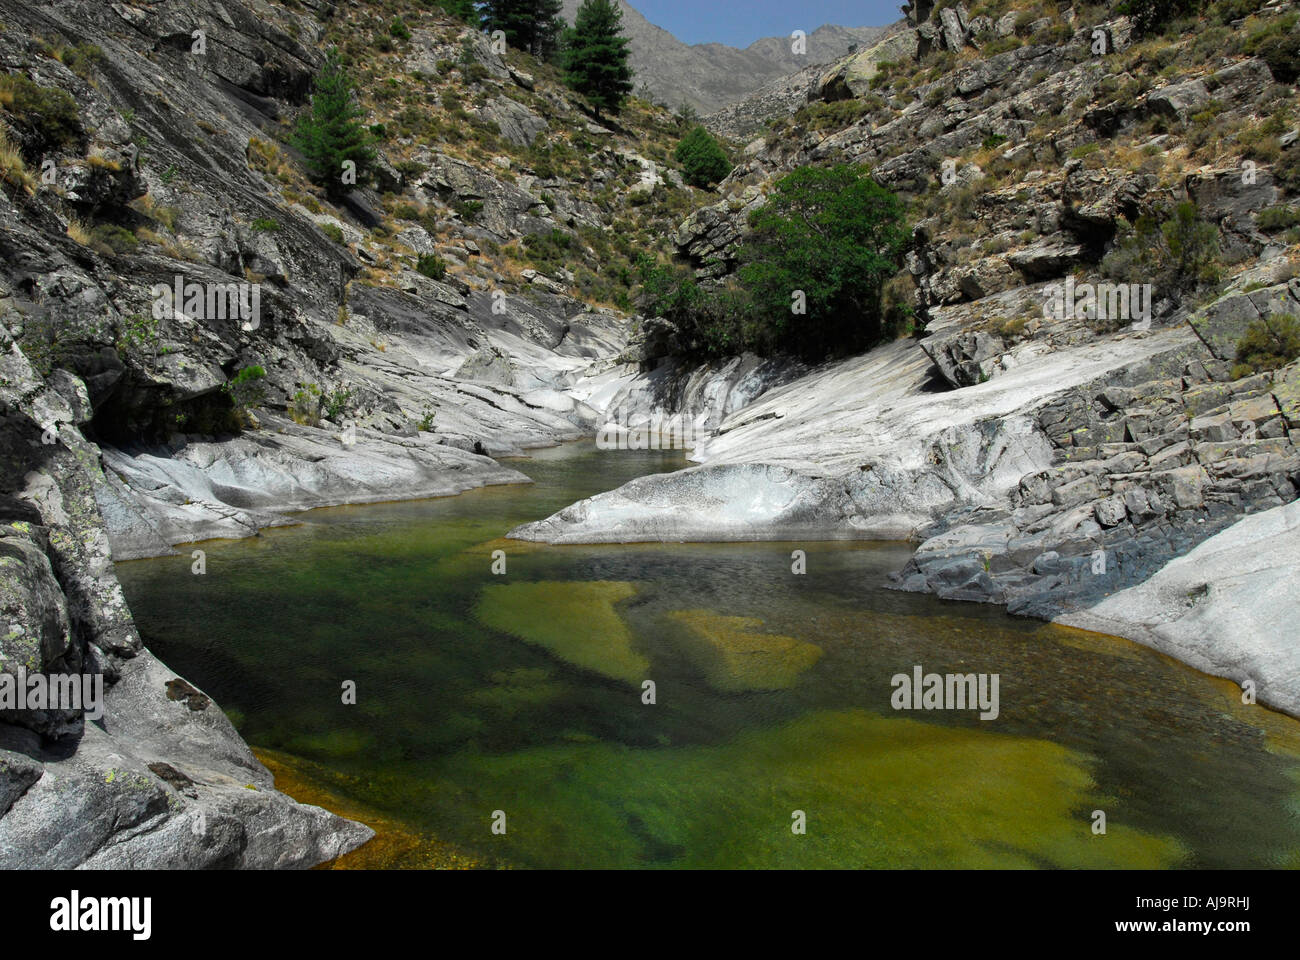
[(160, 779)]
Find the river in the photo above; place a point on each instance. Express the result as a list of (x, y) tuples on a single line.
[(502, 717)]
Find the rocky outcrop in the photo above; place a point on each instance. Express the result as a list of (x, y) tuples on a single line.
[(1227, 607), (141, 778), (1146, 465)]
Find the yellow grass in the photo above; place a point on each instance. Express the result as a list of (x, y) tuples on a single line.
[(12, 168), (79, 231)]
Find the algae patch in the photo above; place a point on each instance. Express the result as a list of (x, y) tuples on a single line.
[(878, 792), (734, 657), (576, 622)]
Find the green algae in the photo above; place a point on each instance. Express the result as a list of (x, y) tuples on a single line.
[(576, 622), (734, 657), (877, 792)]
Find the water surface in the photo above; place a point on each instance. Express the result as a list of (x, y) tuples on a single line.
[(523, 693)]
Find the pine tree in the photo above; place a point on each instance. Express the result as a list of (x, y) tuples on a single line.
[(330, 133), (531, 25), (595, 55), (703, 161)]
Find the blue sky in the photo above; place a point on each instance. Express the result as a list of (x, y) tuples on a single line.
[(741, 22)]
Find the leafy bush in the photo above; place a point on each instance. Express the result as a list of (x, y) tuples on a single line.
[(138, 331), (245, 388), (335, 403), (1177, 254), (399, 29), (432, 266), (333, 231), (1273, 219), (1287, 171), (1269, 343), (837, 114), (47, 112), (702, 159), (304, 408), (265, 225), (109, 238), (1281, 51), (1150, 15), (706, 322), (1226, 11), (546, 251), (812, 274), (837, 236), (468, 210)]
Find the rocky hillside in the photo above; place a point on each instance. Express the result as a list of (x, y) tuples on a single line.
[(474, 298), (1044, 459), (710, 76)]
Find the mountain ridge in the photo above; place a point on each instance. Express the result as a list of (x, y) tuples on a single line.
[(710, 76)]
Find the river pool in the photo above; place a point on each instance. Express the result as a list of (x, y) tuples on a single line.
[(503, 716)]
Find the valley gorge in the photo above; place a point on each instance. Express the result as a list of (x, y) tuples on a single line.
[(437, 348)]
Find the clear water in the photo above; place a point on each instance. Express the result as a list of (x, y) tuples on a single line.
[(522, 693)]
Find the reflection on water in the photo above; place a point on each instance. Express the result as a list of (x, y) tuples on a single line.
[(525, 693)]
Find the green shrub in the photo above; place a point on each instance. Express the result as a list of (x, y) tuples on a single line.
[(468, 210), (1287, 171), (704, 322), (245, 388), (1273, 219), (1226, 11), (1281, 51), (1149, 16), (335, 403), (836, 115), (333, 231), (81, 58), (1269, 343), (48, 112), (110, 238), (1177, 253), (813, 269), (703, 162), (399, 29), (432, 266), (138, 331), (265, 225), (304, 408)]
